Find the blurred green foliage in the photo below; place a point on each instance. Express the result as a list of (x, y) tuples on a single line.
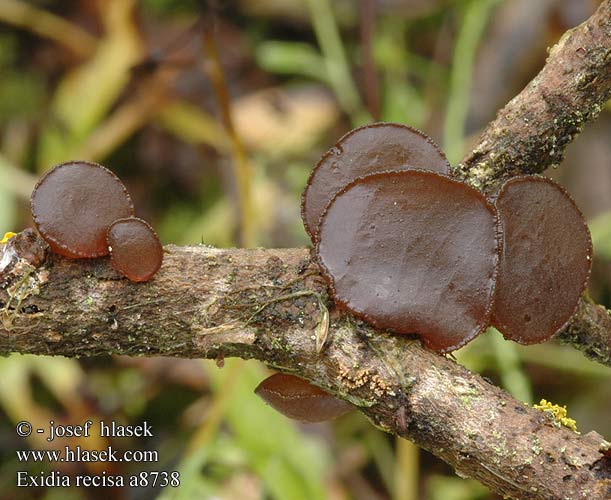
[(601, 235), (21, 92), (126, 83)]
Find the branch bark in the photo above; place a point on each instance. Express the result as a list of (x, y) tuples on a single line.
[(590, 331), (272, 305), (532, 131)]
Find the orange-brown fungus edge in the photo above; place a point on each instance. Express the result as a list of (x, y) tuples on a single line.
[(297, 399), (135, 250), (546, 259), (74, 203), (362, 151), (412, 252)]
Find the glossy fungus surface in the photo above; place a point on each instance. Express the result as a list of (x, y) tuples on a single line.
[(362, 151), (135, 249), (412, 252), (73, 205), (545, 262), (300, 400)]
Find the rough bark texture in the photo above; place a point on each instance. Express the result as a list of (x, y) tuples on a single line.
[(590, 331), (272, 305), (531, 132)]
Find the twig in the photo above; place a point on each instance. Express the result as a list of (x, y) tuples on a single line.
[(532, 131), (402, 387)]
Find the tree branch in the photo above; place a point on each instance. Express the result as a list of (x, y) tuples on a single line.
[(590, 331), (531, 132), (271, 305)]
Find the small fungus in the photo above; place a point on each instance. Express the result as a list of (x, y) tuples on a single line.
[(545, 262), (362, 151), (300, 400), (135, 250), (73, 205), (412, 251)]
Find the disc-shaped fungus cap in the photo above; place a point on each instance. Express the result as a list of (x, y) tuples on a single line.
[(135, 250), (362, 151), (545, 261), (412, 252), (73, 205), (300, 400)]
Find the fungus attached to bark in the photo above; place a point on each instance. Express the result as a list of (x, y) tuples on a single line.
[(135, 250), (412, 252), (545, 261), (363, 151), (300, 400), (73, 205)]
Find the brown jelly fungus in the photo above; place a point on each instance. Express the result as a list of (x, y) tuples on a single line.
[(300, 400), (545, 262), (412, 252), (362, 151), (73, 205), (135, 249)]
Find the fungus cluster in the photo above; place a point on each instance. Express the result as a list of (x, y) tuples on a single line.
[(83, 210), (363, 151), (408, 248), (410, 251)]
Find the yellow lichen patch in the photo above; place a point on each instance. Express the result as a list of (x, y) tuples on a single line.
[(7, 236), (557, 414)]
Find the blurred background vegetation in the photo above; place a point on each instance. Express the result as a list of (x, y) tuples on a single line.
[(214, 126)]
